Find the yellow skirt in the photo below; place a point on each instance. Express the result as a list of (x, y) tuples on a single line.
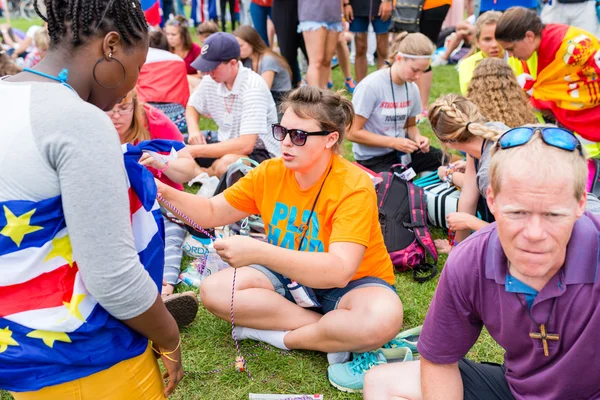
[(136, 378)]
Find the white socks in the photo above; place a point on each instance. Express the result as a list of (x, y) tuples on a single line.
[(274, 338)]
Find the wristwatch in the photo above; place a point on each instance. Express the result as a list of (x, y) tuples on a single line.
[(386, 1), (346, 4)]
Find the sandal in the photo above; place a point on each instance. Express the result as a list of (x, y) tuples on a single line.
[(183, 307)]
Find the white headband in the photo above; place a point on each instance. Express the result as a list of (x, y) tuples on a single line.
[(413, 56)]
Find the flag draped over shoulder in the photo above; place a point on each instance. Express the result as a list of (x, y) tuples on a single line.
[(567, 81), (52, 330), (151, 10)]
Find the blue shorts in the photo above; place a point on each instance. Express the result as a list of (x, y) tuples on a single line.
[(309, 26), (329, 298), (361, 24)]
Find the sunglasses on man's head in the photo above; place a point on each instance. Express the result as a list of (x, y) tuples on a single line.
[(552, 136), (297, 136)]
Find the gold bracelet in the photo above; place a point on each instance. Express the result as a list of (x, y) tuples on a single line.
[(167, 353)]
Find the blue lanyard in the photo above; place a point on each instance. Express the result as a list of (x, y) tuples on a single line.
[(61, 78)]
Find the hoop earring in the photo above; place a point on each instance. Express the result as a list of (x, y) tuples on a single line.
[(109, 58)]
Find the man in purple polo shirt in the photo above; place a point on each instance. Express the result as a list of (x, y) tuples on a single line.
[(530, 279)]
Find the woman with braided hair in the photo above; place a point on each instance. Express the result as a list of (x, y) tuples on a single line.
[(79, 298), (459, 125), (496, 93)]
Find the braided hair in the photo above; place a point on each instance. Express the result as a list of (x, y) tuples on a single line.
[(454, 118), (84, 18)]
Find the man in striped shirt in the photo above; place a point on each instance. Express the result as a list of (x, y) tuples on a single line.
[(238, 100)]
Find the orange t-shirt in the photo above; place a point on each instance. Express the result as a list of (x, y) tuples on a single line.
[(346, 211), (429, 4)]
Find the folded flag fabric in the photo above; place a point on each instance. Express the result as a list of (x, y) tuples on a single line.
[(567, 81), (52, 330), (151, 10)]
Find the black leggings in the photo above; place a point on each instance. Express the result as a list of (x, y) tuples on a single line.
[(284, 14), (231, 12)]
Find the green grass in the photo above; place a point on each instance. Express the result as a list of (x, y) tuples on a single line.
[(207, 343)]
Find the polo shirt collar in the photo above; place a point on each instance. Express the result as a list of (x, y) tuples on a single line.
[(235, 89), (581, 261)]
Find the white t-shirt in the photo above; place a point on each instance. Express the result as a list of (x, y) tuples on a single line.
[(386, 113), (248, 109)]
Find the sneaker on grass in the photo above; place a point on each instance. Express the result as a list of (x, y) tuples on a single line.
[(350, 376), (408, 338)]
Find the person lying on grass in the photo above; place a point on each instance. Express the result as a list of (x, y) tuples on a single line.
[(321, 220), (531, 279)]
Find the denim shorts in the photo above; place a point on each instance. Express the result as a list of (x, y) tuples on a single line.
[(361, 24), (329, 298), (309, 26)]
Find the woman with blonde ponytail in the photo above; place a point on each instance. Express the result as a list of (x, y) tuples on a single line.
[(459, 125), (387, 103)]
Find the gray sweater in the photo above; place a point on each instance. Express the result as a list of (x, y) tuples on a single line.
[(55, 144)]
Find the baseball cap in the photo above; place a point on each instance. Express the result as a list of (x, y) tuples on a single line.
[(218, 47)]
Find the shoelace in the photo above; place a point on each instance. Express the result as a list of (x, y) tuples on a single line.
[(412, 345), (364, 362)]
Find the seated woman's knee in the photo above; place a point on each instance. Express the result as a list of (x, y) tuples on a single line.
[(212, 291), (383, 321)]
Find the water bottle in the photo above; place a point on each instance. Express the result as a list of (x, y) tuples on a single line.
[(191, 277), (214, 263)]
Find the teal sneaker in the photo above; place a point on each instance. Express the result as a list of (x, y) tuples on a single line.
[(350, 376), (408, 339)]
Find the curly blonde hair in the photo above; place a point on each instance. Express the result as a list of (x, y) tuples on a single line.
[(495, 91), (455, 119)]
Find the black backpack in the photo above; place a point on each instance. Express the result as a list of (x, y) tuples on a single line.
[(403, 219)]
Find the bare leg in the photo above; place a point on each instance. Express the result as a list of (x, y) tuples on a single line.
[(219, 167), (315, 47), (424, 84), (256, 304), (393, 381), (382, 48), (271, 32), (360, 61), (356, 325), (343, 55), (330, 43)]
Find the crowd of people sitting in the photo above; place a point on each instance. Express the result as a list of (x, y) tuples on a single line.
[(94, 211)]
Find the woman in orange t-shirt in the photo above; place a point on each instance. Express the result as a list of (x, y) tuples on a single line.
[(324, 279)]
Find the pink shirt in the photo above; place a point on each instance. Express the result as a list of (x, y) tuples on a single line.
[(161, 127)]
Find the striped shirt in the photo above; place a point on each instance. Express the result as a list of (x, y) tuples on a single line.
[(248, 109)]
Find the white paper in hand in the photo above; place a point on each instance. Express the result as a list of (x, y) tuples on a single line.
[(162, 158)]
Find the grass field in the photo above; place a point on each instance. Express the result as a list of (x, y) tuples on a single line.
[(209, 351)]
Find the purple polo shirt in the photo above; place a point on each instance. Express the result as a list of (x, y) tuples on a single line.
[(471, 293)]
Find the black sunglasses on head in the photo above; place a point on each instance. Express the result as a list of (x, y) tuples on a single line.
[(297, 136)]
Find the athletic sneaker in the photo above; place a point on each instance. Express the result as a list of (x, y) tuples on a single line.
[(408, 338), (330, 85), (182, 306), (334, 62), (350, 376), (350, 84)]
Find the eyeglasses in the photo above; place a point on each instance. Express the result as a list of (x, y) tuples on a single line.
[(555, 137), (123, 109), (297, 136)]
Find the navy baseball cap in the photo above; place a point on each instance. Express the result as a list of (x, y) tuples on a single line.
[(218, 47)]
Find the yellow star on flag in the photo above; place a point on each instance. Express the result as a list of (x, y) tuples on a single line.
[(17, 227), (61, 247), (50, 337), (6, 339), (73, 306)]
